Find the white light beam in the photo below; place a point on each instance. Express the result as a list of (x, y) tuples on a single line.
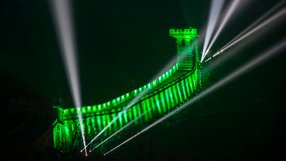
[(165, 68), (124, 127), (62, 15), (258, 27), (245, 68), (229, 13), (255, 23), (213, 17)]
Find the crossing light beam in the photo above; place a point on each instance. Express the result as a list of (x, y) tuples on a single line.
[(256, 22), (136, 99), (114, 134), (263, 24), (240, 71), (216, 7), (233, 6)]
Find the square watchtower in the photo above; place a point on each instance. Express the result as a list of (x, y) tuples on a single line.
[(187, 47)]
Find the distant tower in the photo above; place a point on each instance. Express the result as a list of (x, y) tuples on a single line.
[(187, 47)]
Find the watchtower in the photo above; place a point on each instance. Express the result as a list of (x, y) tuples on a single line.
[(187, 47)]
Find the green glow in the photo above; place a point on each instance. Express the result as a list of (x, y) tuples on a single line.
[(168, 91), (99, 122), (179, 92), (149, 108), (135, 112), (130, 116), (144, 110), (171, 97), (163, 101), (152, 100), (157, 100), (175, 95), (184, 90), (167, 100), (120, 119), (125, 117)]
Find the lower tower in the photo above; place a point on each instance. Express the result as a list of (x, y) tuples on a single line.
[(187, 47)]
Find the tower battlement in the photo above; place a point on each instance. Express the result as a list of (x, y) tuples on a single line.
[(188, 33)]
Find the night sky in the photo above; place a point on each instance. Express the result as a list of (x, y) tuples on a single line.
[(121, 45)]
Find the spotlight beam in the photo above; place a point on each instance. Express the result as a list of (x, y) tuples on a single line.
[(240, 71), (258, 27), (128, 106), (130, 123), (124, 127), (212, 21), (61, 11), (165, 68), (116, 118), (255, 23), (229, 13)]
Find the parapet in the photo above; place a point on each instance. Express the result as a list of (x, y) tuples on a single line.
[(188, 33)]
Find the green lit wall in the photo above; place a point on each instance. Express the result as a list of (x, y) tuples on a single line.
[(160, 96)]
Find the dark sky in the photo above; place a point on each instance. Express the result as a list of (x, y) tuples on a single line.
[(117, 42), (121, 44)]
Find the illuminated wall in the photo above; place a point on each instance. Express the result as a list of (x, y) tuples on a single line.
[(160, 96)]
